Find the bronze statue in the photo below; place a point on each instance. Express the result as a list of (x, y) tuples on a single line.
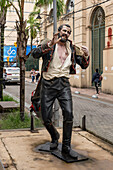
[(59, 60)]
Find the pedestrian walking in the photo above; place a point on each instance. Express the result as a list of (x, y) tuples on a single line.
[(32, 74), (37, 75), (97, 78), (59, 60)]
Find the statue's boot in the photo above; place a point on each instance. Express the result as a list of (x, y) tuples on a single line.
[(66, 143), (54, 135)]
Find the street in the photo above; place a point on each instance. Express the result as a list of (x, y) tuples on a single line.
[(98, 114)]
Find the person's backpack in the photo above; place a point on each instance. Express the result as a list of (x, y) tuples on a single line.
[(38, 75), (100, 78)]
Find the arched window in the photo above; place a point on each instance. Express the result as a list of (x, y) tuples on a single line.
[(51, 16), (98, 38), (68, 6)]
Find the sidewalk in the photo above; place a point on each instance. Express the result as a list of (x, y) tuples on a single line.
[(18, 151), (91, 91)]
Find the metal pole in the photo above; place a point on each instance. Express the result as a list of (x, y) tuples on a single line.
[(84, 122), (0, 67), (73, 23), (56, 105), (55, 16), (32, 121), (72, 5), (1, 61)]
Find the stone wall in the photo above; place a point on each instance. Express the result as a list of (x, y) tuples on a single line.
[(107, 82)]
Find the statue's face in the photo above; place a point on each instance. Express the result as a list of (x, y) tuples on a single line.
[(64, 33)]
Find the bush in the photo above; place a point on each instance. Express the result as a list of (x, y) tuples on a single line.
[(13, 121), (8, 98)]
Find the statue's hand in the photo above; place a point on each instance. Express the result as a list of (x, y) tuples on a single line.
[(85, 50), (54, 40)]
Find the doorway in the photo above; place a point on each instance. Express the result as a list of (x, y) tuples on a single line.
[(98, 39)]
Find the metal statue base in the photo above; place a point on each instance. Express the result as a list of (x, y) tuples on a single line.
[(68, 159), (57, 152), (46, 147)]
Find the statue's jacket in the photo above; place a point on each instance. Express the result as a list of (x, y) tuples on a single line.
[(77, 56), (44, 51)]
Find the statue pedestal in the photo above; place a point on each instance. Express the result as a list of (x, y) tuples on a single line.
[(57, 152)]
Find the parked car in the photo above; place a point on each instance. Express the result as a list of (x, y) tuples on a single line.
[(13, 74)]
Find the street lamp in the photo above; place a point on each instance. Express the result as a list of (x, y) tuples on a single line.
[(72, 5), (39, 17)]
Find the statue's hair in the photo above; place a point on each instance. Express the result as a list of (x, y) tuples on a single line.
[(61, 26)]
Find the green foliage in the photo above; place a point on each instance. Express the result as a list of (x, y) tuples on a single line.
[(44, 2), (32, 63), (8, 98), (4, 4), (60, 7), (13, 121), (33, 26), (35, 11)]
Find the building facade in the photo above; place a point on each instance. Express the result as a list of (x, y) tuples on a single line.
[(11, 18), (92, 25)]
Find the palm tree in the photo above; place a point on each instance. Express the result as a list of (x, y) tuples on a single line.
[(22, 37), (4, 5), (33, 27)]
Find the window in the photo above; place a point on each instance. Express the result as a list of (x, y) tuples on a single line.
[(51, 16), (68, 6), (98, 39)]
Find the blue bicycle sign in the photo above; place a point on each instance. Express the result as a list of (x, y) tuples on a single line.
[(11, 52)]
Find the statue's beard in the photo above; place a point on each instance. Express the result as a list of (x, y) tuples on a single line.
[(63, 39)]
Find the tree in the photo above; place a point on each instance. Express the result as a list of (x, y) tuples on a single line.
[(33, 26), (4, 5), (22, 37)]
